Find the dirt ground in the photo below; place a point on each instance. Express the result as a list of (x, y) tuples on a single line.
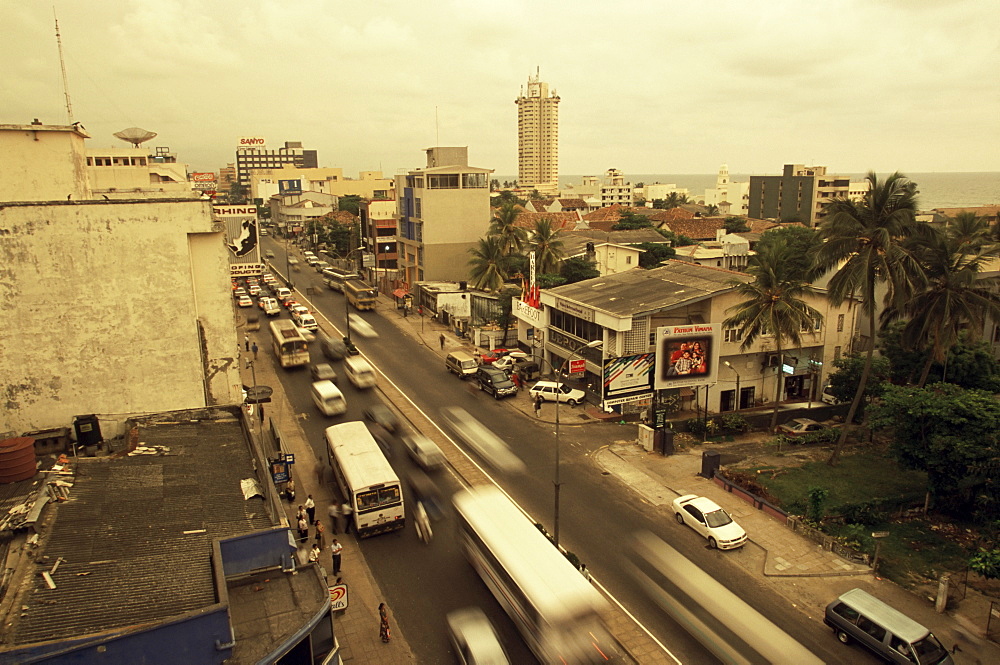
[(755, 449)]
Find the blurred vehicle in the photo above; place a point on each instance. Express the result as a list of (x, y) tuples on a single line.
[(474, 639), (254, 290), (800, 426), (365, 479), (494, 355), (292, 261), (245, 301), (554, 607), (477, 436), (270, 306), (320, 266), (359, 372), (332, 348), (495, 382), (425, 490), (382, 437), (360, 326), (335, 277), (328, 398), (239, 292), (307, 334), (710, 520), (382, 415), (552, 391), (424, 452), (711, 613), (422, 523), (322, 372), (269, 254)]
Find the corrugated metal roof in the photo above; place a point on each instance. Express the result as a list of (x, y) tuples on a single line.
[(127, 560), (639, 291)]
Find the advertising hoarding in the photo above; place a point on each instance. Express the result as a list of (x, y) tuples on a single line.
[(628, 378), (687, 355), (241, 238), (251, 142)]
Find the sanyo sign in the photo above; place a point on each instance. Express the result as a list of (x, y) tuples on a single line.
[(251, 142)]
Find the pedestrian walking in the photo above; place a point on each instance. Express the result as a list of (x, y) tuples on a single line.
[(254, 348), (300, 513), (346, 511), (290, 491), (538, 406), (310, 508), (336, 549), (246, 341), (303, 530), (383, 622), (333, 511), (314, 553), (441, 339), (320, 534)]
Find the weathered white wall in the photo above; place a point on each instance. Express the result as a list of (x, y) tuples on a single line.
[(100, 309), (42, 163)]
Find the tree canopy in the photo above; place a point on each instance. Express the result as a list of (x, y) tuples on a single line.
[(654, 253)]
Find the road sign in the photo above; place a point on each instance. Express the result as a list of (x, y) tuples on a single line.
[(289, 458), (259, 394), (577, 366)]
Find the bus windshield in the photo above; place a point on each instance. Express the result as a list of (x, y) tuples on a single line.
[(377, 498)]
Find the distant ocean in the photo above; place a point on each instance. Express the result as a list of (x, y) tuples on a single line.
[(937, 190)]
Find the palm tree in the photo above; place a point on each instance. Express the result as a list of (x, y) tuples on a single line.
[(674, 200), (503, 225), (956, 296), (546, 245), (773, 305), (489, 264), (863, 241)]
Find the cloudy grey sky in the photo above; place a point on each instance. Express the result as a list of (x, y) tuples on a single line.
[(647, 86)]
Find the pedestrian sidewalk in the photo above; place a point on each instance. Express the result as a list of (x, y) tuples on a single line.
[(794, 566), (357, 627)]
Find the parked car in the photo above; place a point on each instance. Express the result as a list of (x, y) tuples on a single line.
[(382, 415), (492, 356), (322, 372), (495, 382), (254, 290), (552, 391), (270, 306), (800, 426), (710, 520), (239, 292), (474, 639), (245, 301), (512, 360)]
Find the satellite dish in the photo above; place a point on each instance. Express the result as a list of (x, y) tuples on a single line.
[(135, 135)]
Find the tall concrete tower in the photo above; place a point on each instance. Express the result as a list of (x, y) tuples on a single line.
[(538, 137)]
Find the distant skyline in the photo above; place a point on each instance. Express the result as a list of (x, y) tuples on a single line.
[(669, 87)]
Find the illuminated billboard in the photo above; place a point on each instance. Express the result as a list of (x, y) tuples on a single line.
[(687, 355), (628, 378)]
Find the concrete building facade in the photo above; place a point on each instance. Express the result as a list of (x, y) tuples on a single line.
[(129, 173), (110, 306), (253, 157), (538, 137), (797, 195), (266, 183), (443, 210)]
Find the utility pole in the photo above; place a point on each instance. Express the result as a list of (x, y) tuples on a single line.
[(62, 64)]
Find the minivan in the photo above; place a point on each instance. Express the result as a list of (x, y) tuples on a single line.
[(461, 364), (890, 634), (359, 372), (328, 398), (281, 293), (827, 396), (495, 382)]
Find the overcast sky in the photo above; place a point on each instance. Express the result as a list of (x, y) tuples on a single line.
[(649, 86)]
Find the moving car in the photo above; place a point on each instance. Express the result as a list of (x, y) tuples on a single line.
[(382, 415), (332, 348), (800, 426), (710, 520), (245, 301), (360, 326), (424, 452), (474, 639), (239, 293), (322, 372), (551, 391), (270, 306), (254, 290)]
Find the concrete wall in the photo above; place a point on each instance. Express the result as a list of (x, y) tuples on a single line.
[(42, 163), (112, 308)]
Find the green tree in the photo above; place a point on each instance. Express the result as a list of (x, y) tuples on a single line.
[(951, 433), (986, 563), (494, 185), (956, 297), (863, 241), (238, 193), (506, 196), (773, 304), (350, 203), (844, 381), (546, 245), (654, 253), (676, 239), (550, 281), (504, 226), (712, 210), (660, 204), (970, 364), (675, 200), (577, 269), (735, 224), (535, 195), (488, 264), (631, 220), (804, 242)]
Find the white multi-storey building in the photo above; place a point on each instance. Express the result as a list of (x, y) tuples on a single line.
[(538, 137)]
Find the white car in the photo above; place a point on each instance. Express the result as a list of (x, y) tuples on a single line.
[(552, 391), (245, 301), (360, 326), (254, 290), (710, 520), (474, 639)]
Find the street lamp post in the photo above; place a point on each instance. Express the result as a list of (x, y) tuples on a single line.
[(562, 368), (726, 363)]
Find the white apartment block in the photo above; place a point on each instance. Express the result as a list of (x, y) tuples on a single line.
[(265, 183), (731, 198), (538, 137)]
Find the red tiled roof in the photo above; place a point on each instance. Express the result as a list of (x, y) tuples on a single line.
[(698, 228), (978, 211), (612, 213), (671, 215), (573, 203)]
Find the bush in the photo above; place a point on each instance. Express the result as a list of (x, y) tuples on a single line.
[(749, 483), (734, 422), (696, 426), (868, 513)]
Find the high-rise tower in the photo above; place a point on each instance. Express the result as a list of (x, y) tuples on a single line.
[(538, 137)]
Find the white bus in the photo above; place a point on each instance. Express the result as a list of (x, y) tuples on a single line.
[(290, 347), (556, 609), (365, 478)]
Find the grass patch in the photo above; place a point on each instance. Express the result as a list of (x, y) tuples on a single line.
[(859, 477)]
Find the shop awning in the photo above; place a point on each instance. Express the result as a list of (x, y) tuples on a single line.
[(400, 293)]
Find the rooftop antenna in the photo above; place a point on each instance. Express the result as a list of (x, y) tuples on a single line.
[(437, 128), (62, 64)]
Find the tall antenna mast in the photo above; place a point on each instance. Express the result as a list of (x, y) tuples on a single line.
[(437, 128), (62, 64)]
